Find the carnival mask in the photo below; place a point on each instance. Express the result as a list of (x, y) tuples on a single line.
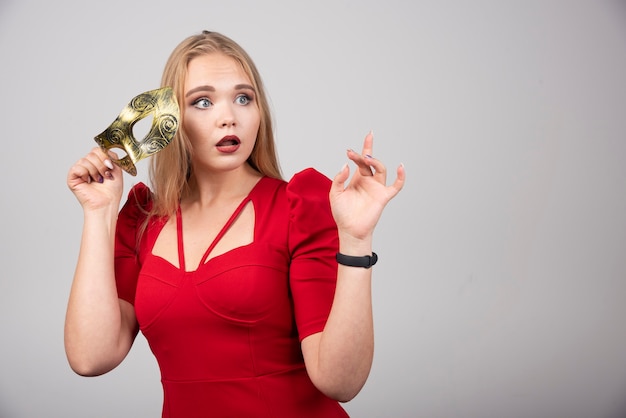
[(160, 103)]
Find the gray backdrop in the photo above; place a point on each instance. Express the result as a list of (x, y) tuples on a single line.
[(501, 286)]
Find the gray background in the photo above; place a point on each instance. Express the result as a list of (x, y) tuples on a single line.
[(501, 287)]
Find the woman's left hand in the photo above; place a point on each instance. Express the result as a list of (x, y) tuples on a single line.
[(358, 207)]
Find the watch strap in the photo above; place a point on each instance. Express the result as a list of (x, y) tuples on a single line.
[(366, 261)]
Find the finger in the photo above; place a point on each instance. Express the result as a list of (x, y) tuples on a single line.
[(106, 157), (364, 168), (78, 174), (91, 167), (400, 179), (368, 144), (111, 163), (338, 183), (378, 168), (101, 164)]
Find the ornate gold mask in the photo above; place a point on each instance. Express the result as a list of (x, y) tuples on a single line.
[(162, 104)]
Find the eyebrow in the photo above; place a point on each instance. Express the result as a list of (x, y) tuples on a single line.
[(212, 89)]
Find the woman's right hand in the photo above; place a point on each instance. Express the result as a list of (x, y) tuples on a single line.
[(96, 181)]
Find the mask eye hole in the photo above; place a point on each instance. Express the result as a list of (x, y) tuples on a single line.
[(120, 152), (142, 127)]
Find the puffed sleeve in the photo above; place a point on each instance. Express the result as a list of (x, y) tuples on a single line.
[(129, 222), (313, 243)]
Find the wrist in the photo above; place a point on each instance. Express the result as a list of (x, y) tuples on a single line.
[(351, 245), (102, 214)]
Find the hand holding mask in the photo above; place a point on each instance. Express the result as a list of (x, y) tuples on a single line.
[(160, 103)]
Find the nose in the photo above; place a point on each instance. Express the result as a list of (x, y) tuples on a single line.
[(227, 117)]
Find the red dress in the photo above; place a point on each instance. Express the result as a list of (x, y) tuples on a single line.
[(227, 335)]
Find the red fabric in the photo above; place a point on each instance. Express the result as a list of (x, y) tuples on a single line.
[(227, 335)]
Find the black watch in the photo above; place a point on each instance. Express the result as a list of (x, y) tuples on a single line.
[(366, 261)]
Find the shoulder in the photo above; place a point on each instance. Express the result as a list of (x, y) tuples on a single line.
[(307, 194), (140, 193), (309, 182), (138, 203)]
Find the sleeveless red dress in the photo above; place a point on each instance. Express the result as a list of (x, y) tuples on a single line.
[(227, 335)]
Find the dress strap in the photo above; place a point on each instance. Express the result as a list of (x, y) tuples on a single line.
[(179, 235), (224, 229)]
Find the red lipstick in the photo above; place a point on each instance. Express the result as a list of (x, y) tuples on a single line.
[(228, 144)]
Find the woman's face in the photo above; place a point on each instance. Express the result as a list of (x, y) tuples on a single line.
[(221, 115)]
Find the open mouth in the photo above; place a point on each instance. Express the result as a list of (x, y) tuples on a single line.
[(228, 144), (229, 141)]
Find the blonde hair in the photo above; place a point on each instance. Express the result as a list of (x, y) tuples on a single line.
[(170, 168)]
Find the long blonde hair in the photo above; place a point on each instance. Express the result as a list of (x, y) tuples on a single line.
[(170, 168)]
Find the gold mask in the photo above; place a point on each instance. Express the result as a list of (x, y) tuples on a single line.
[(160, 102)]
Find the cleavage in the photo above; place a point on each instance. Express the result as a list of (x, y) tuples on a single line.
[(188, 242)]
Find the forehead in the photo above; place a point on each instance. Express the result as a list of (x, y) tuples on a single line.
[(215, 68)]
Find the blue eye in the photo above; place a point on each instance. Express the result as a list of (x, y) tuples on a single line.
[(202, 103), (243, 99)]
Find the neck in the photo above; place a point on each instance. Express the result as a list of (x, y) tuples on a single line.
[(207, 188)]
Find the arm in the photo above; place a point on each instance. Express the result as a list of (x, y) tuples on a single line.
[(99, 327), (339, 358)]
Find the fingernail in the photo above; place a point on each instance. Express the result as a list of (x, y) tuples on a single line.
[(109, 164), (368, 156), (108, 174), (100, 179)]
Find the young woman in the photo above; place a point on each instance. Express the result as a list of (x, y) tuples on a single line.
[(231, 273)]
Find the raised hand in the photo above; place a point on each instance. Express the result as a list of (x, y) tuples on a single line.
[(358, 206), (95, 180)]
